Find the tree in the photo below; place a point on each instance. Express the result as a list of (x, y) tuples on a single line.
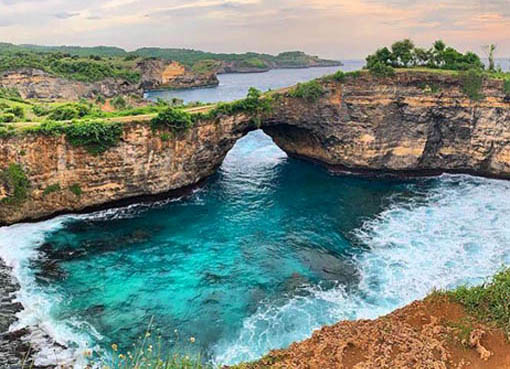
[(438, 51), (381, 56), (402, 52), (422, 57), (490, 51)]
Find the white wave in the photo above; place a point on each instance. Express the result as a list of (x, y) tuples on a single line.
[(459, 234), (54, 342)]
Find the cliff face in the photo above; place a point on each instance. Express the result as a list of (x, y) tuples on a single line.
[(36, 84), (367, 125), (398, 126), (142, 164), (155, 73), (158, 73)]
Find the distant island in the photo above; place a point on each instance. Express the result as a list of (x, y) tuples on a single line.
[(72, 72)]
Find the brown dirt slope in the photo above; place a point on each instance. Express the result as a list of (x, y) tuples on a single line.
[(430, 334)]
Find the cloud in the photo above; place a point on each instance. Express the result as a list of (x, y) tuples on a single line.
[(66, 15), (333, 28)]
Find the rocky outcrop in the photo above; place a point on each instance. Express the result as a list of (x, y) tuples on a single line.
[(434, 333), (36, 84), (392, 126), (13, 348), (397, 126), (142, 164), (160, 74), (33, 83)]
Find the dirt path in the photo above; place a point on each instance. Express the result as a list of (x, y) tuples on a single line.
[(126, 119), (431, 334)]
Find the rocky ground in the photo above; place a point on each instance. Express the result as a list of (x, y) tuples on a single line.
[(430, 334), (13, 348)]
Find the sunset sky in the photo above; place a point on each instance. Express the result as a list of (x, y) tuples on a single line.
[(330, 28)]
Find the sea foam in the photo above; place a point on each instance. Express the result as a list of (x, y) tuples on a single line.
[(456, 233)]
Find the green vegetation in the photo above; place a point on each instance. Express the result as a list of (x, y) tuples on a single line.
[(490, 302), (96, 63), (17, 184), (86, 69), (382, 70), (179, 120), (68, 111), (253, 60), (51, 188), (10, 94), (463, 330), (506, 88), (95, 136), (341, 76), (205, 66), (175, 119), (472, 83), (404, 54), (119, 103), (76, 189), (7, 118), (310, 91)]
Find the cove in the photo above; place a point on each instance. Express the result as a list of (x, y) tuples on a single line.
[(270, 249)]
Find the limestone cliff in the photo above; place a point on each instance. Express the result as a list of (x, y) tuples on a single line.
[(365, 124), (399, 126), (159, 74), (33, 83), (142, 164)]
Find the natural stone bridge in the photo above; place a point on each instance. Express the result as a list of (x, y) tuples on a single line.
[(366, 125)]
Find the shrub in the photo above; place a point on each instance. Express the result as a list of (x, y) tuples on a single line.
[(64, 113), (69, 112), (165, 137), (310, 91), (7, 118), (119, 103), (10, 94), (175, 119), (506, 87), (489, 302), (40, 110), (17, 184), (100, 99), (96, 137), (338, 76), (472, 83), (17, 111), (404, 54), (381, 70), (51, 188), (76, 189)]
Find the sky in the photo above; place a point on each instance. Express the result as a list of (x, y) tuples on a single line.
[(341, 29)]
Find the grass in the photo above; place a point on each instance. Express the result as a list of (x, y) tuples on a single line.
[(148, 353), (309, 91), (490, 302)]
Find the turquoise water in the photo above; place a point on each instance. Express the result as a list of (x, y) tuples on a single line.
[(262, 230), (268, 250)]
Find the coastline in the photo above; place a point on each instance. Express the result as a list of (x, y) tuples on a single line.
[(14, 345)]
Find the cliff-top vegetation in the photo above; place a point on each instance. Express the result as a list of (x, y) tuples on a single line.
[(80, 68), (94, 63)]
